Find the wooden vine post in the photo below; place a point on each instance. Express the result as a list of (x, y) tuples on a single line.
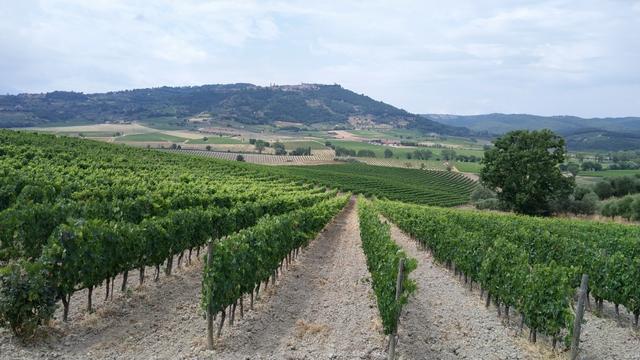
[(393, 337), (575, 342), (209, 310)]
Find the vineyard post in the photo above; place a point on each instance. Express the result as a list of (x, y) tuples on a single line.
[(394, 334), (209, 312), (575, 343)]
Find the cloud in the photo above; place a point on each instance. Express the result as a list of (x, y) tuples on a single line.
[(546, 57)]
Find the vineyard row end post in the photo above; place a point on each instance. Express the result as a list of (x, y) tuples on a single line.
[(393, 337), (575, 343)]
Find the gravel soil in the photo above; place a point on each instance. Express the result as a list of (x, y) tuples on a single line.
[(322, 307), (445, 320)]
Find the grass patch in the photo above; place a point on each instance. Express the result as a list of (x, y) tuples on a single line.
[(609, 173), (314, 145), (151, 137), (469, 167), (216, 140)]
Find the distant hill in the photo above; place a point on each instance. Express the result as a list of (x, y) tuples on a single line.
[(306, 104), (597, 139), (501, 123), (611, 134)]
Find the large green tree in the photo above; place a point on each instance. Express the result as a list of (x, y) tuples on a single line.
[(522, 168)]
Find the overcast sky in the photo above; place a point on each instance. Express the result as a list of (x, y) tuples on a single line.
[(463, 57)]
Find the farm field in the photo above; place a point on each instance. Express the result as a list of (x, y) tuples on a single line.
[(416, 164), (150, 137), (608, 173), (469, 167), (96, 128), (412, 185), (313, 144), (215, 140), (317, 157), (122, 233), (399, 152)]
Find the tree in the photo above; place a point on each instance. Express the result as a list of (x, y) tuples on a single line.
[(239, 158), (591, 166), (604, 189), (388, 153), (279, 148), (523, 170), (448, 154), (573, 168), (260, 145), (208, 148), (366, 153)]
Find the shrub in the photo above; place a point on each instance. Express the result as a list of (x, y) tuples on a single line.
[(26, 299)]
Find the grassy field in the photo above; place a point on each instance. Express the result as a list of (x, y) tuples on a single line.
[(216, 140), (404, 163), (441, 188), (151, 137), (609, 173), (100, 134), (400, 152), (469, 167), (314, 145)]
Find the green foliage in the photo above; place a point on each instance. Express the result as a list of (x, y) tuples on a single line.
[(301, 151), (523, 170), (365, 153), (171, 107), (627, 207), (481, 193), (533, 264), (242, 260), (279, 148), (591, 166), (448, 154), (411, 185), (26, 298), (547, 299), (82, 212), (341, 151), (603, 189), (383, 258)]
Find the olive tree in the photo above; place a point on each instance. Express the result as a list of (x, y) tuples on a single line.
[(523, 169)]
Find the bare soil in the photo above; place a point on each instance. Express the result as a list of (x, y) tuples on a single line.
[(446, 320), (322, 307)]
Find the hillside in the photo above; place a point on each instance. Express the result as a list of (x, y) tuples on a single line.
[(289, 106), (501, 123), (609, 134)]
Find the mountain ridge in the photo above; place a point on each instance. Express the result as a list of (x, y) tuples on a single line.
[(499, 123), (308, 104)]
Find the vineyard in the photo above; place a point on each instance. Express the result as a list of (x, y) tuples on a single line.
[(317, 157), (428, 187), (529, 264), (74, 214), (291, 267)]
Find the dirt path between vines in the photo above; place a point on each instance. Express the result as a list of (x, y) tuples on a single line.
[(445, 320), (322, 307)]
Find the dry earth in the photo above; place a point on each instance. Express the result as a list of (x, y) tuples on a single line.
[(121, 128), (445, 320), (322, 307)]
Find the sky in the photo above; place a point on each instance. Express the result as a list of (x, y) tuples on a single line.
[(458, 57)]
